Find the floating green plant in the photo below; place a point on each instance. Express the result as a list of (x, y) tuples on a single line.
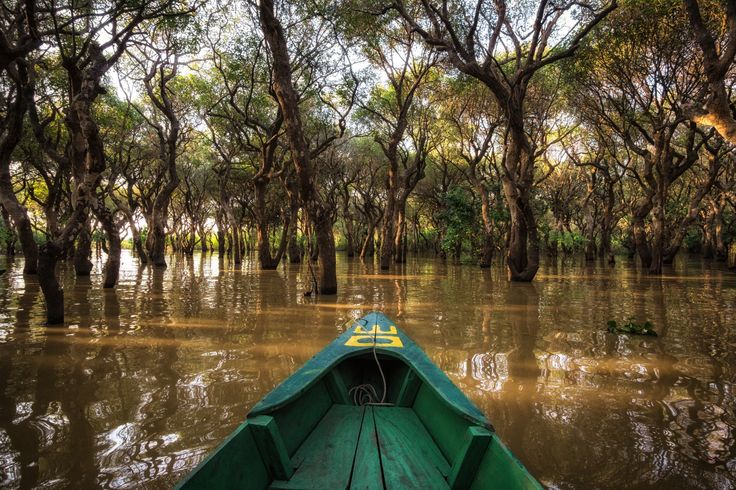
[(632, 327)]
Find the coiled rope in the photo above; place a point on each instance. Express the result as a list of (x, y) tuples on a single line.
[(365, 394)]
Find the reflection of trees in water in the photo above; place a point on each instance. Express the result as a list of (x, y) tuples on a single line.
[(158, 390), (20, 461), (159, 401), (574, 400), (522, 299)]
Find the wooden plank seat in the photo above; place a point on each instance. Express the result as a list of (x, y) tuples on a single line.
[(371, 447), (325, 458)]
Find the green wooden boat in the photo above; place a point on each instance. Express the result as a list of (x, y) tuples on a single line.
[(369, 411)]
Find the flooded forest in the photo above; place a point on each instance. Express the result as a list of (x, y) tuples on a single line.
[(198, 196)]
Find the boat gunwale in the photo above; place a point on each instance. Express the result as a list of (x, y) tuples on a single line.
[(319, 366)]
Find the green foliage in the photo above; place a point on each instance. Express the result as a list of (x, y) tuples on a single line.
[(459, 217), (5, 234), (693, 240), (631, 327), (570, 241)]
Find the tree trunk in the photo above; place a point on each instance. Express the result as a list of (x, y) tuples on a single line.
[(8, 199), (720, 244), (368, 244), (295, 252), (400, 228), (82, 253), (642, 243), (590, 250), (139, 248), (523, 246), (326, 251), (288, 99), (158, 241), (53, 295), (604, 249), (349, 231), (388, 230), (235, 241), (112, 265), (220, 239), (22, 225), (203, 245), (486, 251), (657, 233)]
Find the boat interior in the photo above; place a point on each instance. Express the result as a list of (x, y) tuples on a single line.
[(325, 438)]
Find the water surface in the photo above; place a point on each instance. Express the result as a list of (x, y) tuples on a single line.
[(143, 382)]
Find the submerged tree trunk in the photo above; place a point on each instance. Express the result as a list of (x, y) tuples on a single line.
[(523, 245), (388, 228), (638, 229), (720, 245), (53, 295), (220, 234), (400, 230), (263, 241), (605, 250), (326, 251), (288, 99), (155, 83), (658, 231), (220, 242), (295, 252), (367, 249), (82, 253), (349, 235), (235, 242), (112, 265), (158, 241), (590, 248)]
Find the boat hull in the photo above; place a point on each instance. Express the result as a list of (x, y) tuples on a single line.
[(369, 411)]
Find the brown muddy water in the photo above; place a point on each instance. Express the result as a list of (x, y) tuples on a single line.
[(142, 383)]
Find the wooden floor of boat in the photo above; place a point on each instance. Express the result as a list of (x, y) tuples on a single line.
[(368, 448)]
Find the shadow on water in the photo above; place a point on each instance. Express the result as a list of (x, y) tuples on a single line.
[(145, 380)]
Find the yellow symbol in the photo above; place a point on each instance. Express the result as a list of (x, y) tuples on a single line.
[(381, 341), (376, 329)]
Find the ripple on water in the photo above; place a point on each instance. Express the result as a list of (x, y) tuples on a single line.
[(144, 382)]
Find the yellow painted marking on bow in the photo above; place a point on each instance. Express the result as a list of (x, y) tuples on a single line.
[(376, 329), (381, 341)]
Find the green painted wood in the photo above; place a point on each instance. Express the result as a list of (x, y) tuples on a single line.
[(325, 460), (500, 469), (467, 462), (445, 426), (235, 461), (409, 387), (409, 457), (367, 474), (296, 420), (336, 387), (271, 445), (314, 370)]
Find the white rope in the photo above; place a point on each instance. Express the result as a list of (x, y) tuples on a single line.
[(365, 394)]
